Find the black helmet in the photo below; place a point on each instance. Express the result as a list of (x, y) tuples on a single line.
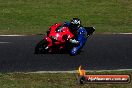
[(75, 23)]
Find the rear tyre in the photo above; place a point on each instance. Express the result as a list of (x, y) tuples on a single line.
[(40, 47)]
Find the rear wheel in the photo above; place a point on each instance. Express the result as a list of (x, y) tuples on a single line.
[(40, 47)]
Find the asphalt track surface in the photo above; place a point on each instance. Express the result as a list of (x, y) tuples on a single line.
[(101, 52)]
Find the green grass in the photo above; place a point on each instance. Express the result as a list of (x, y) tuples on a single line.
[(35, 16), (57, 80)]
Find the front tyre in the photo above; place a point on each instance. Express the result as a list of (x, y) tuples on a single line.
[(40, 47)]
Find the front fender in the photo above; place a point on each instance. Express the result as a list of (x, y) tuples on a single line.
[(48, 40)]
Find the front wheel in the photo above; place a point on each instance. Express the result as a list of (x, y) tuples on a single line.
[(40, 47)]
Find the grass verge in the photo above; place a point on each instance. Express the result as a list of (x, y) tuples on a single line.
[(54, 80), (35, 16)]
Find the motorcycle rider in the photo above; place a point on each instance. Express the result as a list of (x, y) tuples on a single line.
[(80, 34)]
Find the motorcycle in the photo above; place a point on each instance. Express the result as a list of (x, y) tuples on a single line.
[(57, 39)]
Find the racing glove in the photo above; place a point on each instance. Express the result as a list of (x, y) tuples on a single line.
[(74, 41)]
